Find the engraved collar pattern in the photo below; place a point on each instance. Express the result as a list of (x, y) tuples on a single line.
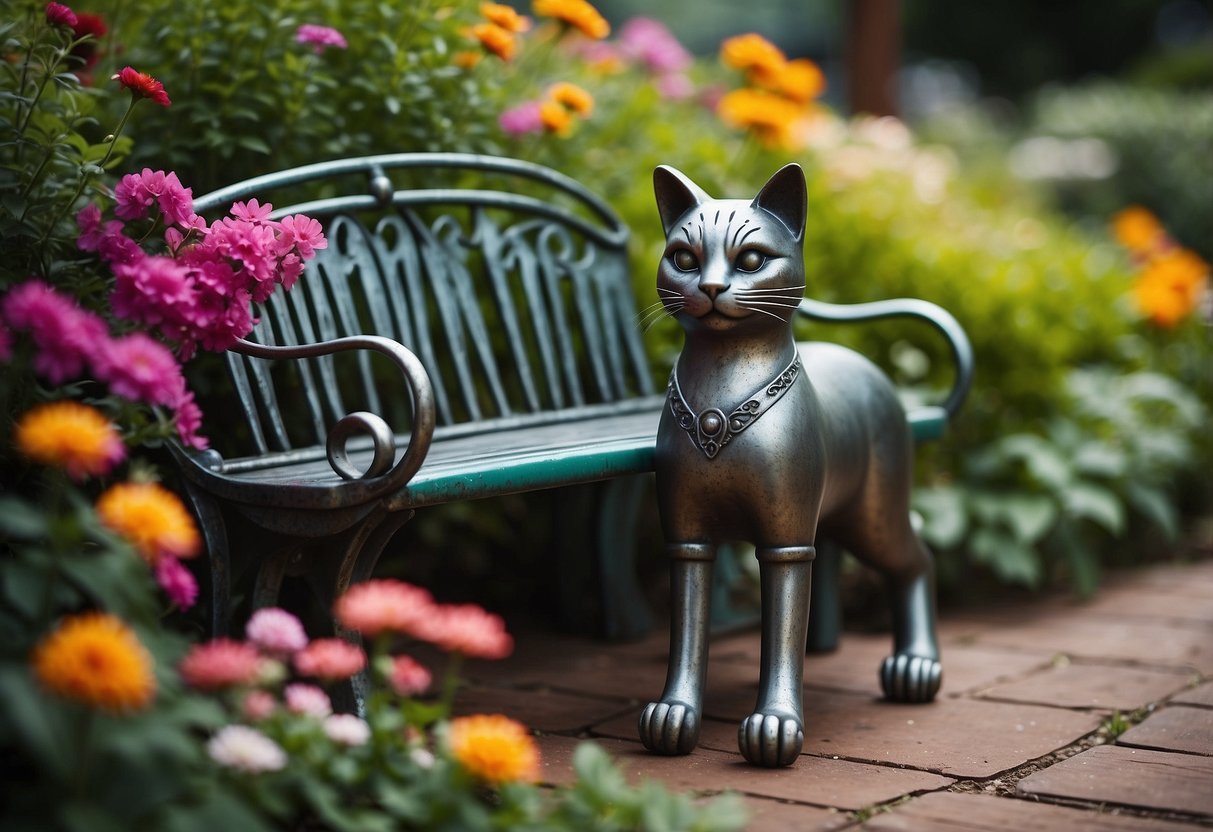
[(711, 429)]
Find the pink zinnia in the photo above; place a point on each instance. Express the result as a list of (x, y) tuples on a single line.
[(58, 14), (320, 37), (258, 705), (650, 42), (142, 85), (66, 336), (252, 211), (330, 659), (304, 233), (153, 290), (220, 663), (275, 631), (141, 369), (467, 629), (177, 582), (307, 699), (189, 422), (347, 729), (136, 193), (525, 118), (373, 607), (409, 677)]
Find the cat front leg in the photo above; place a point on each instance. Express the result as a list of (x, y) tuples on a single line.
[(671, 725), (774, 734)]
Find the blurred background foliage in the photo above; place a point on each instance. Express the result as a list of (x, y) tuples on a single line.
[(1024, 128)]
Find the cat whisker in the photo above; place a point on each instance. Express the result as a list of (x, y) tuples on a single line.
[(799, 288), (648, 309), (654, 313), (793, 298), (765, 312), (668, 291), (656, 319), (766, 302)]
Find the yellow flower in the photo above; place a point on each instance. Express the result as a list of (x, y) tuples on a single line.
[(1137, 229), (576, 13), (69, 435), (96, 659), (497, 40), (761, 60), (1170, 287), (494, 748), (556, 119), (776, 121), (505, 17), (151, 518), (573, 97), (466, 59), (801, 80)]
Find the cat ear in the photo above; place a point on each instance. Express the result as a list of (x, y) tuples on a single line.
[(786, 197), (675, 195)]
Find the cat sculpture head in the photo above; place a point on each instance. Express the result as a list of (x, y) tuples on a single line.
[(731, 264)]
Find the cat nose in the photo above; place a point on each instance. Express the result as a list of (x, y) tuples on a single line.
[(713, 286)]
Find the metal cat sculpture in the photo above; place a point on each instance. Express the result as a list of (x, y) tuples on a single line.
[(767, 440)]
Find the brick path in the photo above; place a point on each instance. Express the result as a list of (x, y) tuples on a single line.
[(1019, 738)]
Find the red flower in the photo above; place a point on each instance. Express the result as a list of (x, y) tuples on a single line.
[(58, 14), (93, 26), (143, 85)]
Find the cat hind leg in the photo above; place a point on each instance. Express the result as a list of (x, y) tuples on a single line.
[(913, 673)]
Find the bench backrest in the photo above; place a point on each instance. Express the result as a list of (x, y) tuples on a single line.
[(508, 280)]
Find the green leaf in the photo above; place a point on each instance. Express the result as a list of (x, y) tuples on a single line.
[(1156, 506), (1011, 560), (1097, 504), (1030, 516), (254, 144), (945, 518), (21, 521)]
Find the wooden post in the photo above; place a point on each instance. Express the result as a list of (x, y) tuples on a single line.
[(873, 55)]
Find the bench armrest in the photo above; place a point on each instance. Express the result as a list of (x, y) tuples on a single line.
[(381, 477), (936, 316)]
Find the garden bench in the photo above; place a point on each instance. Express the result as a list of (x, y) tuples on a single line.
[(470, 331)]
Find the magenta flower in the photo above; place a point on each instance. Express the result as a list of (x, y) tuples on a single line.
[(220, 663), (525, 118), (154, 291), (302, 233), (136, 193), (189, 422), (142, 85), (650, 42), (141, 369), (275, 631), (177, 582), (251, 211), (58, 14), (66, 336), (320, 37)]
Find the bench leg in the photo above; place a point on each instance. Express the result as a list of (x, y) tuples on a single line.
[(218, 557), (625, 612), (825, 606)]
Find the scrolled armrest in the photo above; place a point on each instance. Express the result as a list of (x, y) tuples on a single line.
[(936, 316), (382, 476)]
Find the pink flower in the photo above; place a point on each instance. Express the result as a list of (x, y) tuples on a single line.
[(137, 192), (320, 37), (347, 729), (177, 582), (58, 14), (6, 343), (189, 422), (106, 239), (258, 705), (220, 663), (153, 290), (408, 677), (304, 233), (525, 118), (650, 42), (675, 86), (142, 85), (251, 211), (383, 605), (467, 629), (66, 336), (330, 659), (308, 700), (275, 631), (141, 369)]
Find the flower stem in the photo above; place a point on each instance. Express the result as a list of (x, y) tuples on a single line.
[(450, 683)]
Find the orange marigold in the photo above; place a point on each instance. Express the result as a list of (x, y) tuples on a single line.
[(573, 97), (761, 60), (1138, 230), (96, 659), (69, 435), (151, 518), (505, 17), (801, 80), (495, 39), (578, 14), (1171, 286), (556, 119), (494, 748), (776, 121)]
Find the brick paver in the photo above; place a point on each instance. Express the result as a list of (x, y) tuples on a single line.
[(1176, 728), (1157, 780), (1021, 682), (1093, 685), (951, 812)]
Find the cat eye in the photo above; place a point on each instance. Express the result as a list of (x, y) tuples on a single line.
[(750, 260), (684, 260)]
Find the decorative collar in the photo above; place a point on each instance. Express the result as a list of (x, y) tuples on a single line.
[(711, 429)]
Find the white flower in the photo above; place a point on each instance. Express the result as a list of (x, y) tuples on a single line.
[(246, 749), (422, 757), (347, 729)]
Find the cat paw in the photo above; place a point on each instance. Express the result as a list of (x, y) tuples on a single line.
[(669, 727), (906, 678), (770, 740)]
